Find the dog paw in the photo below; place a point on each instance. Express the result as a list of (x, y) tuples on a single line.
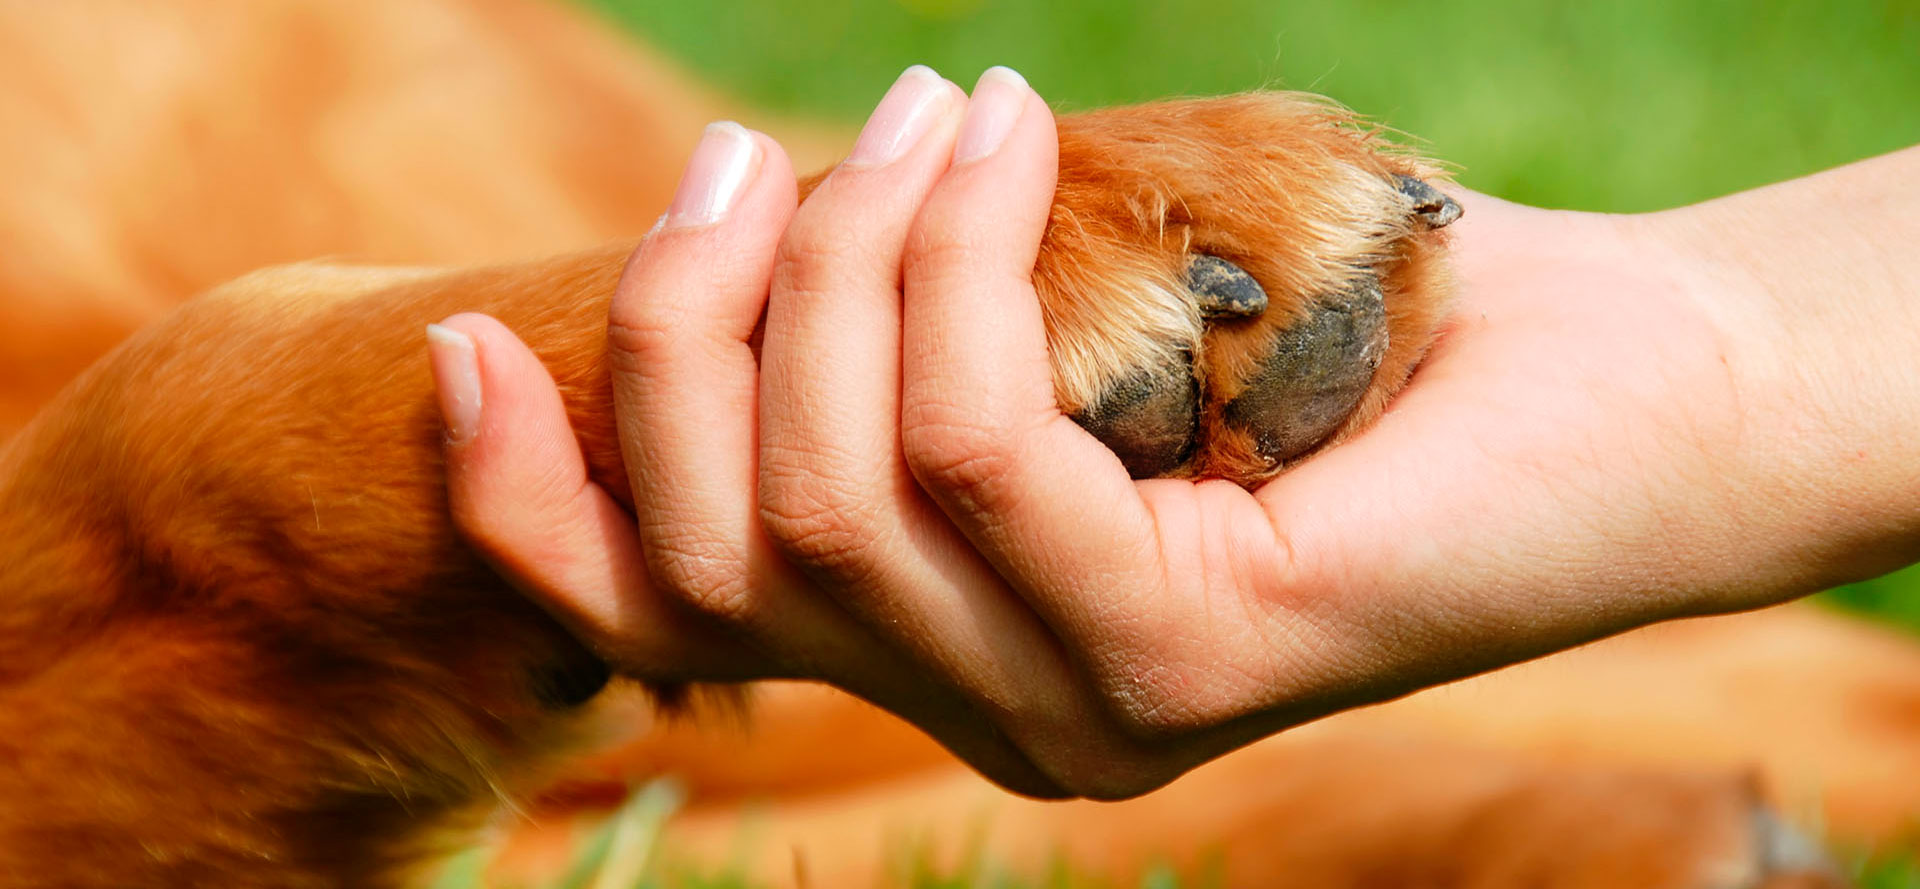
[(1232, 284)]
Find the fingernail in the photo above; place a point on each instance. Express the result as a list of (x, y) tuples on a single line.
[(716, 175), (900, 120), (998, 98), (456, 371)]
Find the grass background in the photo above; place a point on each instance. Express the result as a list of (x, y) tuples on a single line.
[(1619, 106)]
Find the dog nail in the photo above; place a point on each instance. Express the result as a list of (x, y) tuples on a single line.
[(1315, 374), (456, 372), (721, 166), (1431, 205), (1222, 289)]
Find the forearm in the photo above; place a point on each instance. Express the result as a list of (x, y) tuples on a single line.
[(1816, 287)]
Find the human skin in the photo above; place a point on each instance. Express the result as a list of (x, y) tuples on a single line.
[(1629, 419)]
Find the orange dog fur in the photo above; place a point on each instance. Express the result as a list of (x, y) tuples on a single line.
[(131, 625)]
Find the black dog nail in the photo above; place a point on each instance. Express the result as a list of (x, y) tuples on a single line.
[(1223, 289), (1433, 207)]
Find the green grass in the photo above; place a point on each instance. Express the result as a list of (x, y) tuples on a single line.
[(624, 852), (1894, 598), (1889, 871), (1622, 105)]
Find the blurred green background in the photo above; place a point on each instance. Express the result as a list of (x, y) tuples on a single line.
[(1613, 105), (1617, 105)]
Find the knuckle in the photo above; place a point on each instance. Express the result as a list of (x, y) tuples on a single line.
[(934, 256), (813, 257), (1184, 691), (497, 541), (954, 450), (1085, 754), (1154, 702), (816, 520), (1102, 775), (639, 338), (706, 575), (1148, 714)]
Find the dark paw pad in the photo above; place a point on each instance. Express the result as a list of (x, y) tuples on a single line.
[(1149, 419), (1317, 371)]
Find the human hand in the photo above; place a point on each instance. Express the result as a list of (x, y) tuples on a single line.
[(915, 520), (700, 591)]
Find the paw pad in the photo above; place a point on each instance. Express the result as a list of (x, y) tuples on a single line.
[(1232, 284), (1315, 372), (1150, 420)]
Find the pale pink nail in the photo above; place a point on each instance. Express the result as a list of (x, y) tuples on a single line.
[(456, 371), (717, 174), (998, 98), (900, 120)]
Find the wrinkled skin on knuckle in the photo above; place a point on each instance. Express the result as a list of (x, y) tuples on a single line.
[(1168, 694), (707, 575), (1142, 704), (950, 452), (810, 258), (816, 520), (1116, 747), (1094, 756), (641, 340), (940, 259)]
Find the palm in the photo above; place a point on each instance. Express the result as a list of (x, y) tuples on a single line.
[(1511, 501)]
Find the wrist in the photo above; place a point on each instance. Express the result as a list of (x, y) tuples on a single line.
[(1817, 321)]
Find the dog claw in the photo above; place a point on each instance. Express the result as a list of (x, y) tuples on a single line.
[(1223, 289), (1317, 373), (1429, 204), (1150, 420)]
